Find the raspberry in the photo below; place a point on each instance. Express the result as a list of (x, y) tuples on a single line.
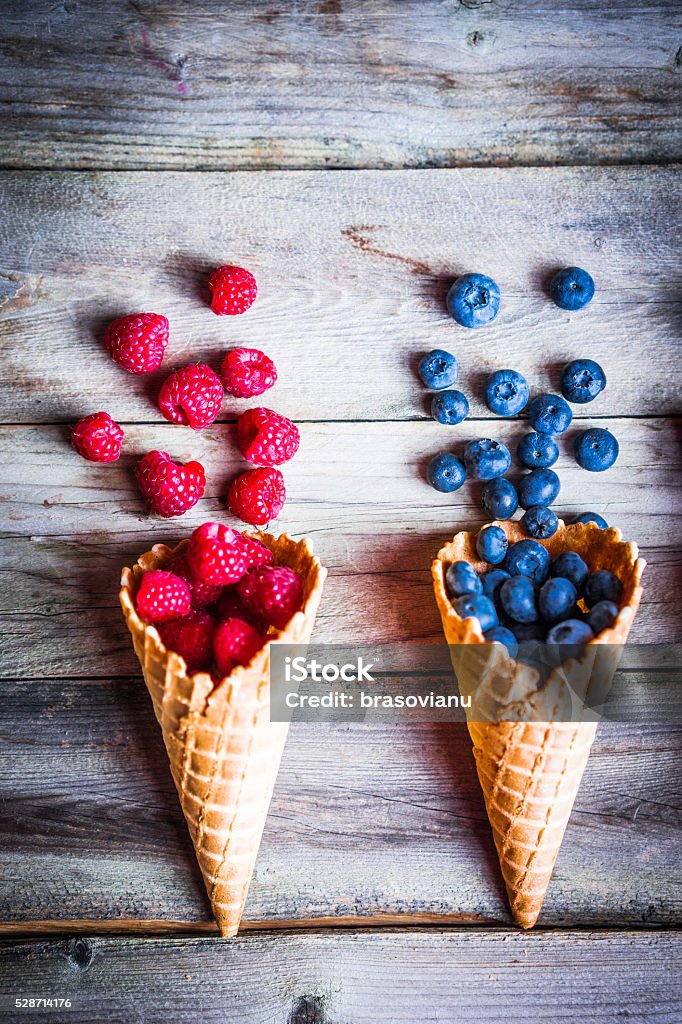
[(216, 554), (235, 642), (266, 438), (203, 594), (256, 552), (97, 438), (162, 597), (191, 638), (231, 606), (137, 342), (234, 290), (272, 592), (191, 396), (247, 372), (171, 488), (257, 496)]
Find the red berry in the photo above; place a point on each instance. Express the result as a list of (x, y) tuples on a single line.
[(191, 396), (272, 592), (191, 638), (247, 372), (235, 642), (266, 438), (137, 342), (234, 290), (216, 554), (203, 594), (257, 496), (171, 488), (256, 552), (97, 438), (162, 597), (231, 606)]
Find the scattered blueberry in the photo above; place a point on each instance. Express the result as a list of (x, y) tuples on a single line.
[(537, 451), (492, 581), (571, 631), (582, 380), (476, 606), (539, 487), (591, 517), (486, 459), (528, 558), (462, 578), (602, 586), (502, 635), (445, 472), (596, 449), (528, 633), (517, 597), (572, 288), (492, 544), (550, 414), (506, 393), (602, 616), (438, 369), (449, 407), (500, 499), (570, 566), (473, 300), (540, 522), (556, 599)]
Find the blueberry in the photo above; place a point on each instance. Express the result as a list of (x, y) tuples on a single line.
[(550, 414), (449, 407), (571, 631), (476, 606), (596, 449), (500, 499), (528, 558), (445, 472), (506, 393), (571, 288), (438, 369), (537, 451), (502, 635), (528, 633), (602, 616), (556, 599), (462, 578), (570, 566), (486, 459), (539, 487), (473, 300), (591, 517), (492, 544), (602, 586), (540, 522), (517, 597), (492, 581), (582, 380)]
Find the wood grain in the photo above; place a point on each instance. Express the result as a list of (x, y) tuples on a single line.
[(394, 83), (353, 270)]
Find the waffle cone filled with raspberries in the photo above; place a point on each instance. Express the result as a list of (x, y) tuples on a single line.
[(224, 751), (530, 744)]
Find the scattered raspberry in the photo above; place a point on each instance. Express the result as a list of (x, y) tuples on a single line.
[(171, 488), (247, 372), (191, 638), (137, 342), (162, 597), (191, 396), (266, 438), (97, 438), (256, 552), (203, 594), (231, 606), (272, 592), (234, 290), (216, 554), (257, 496), (235, 642)]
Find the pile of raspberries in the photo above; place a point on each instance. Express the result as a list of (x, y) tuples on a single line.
[(192, 396)]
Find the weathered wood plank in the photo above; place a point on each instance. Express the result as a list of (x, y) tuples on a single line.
[(393, 977), (338, 84), (353, 271)]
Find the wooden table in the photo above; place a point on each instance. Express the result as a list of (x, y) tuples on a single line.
[(377, 895)]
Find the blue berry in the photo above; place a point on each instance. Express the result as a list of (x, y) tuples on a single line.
[(591, 517), (506, 393), (462, 578), (537, 451), (492, 544), (473, 300), (540, 522), (539, 487), (572, 288), (571, 631), (528, 558), (517, 597), (500, 499), (582, 380), (438, 369), (492, 581), (449, 407), (550, 414), (486, 459), (602, 586), (602, 616), (570, 566), (445, 472), (528, 633), (502, 635), (596, 449), (476, 606), (556, 599)]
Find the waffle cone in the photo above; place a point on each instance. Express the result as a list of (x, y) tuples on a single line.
[(223, 750), (530, 765)]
